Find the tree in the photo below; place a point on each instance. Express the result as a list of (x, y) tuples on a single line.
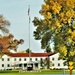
[(47, 62), (28, 51), (42, 63), (48, 49), (57, 26), (4, 24), (8, 43)]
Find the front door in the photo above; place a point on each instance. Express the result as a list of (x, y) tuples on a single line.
[(30, 67)]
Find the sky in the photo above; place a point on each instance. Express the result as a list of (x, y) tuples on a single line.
[(16, 12)]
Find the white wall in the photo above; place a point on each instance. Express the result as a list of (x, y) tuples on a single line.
[(12, 61), (5, 62), (56, 61)]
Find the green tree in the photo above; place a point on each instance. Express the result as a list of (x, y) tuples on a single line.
[(28, 51), (42, 62), (57, 26), (48, 49), (47, 62)]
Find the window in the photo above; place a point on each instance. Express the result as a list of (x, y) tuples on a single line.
[(41, 59), (52, 64), (58, 58), (36, 59), (8, 59), (20, 65), (20, 59), (25, 65), (65, 64), (58, 64), (2, 65), (30, 59), (24, 59), (2, 59), (46, 59), (8, 65), (14, 59), (41, 62), (36, 65), (52, 58)]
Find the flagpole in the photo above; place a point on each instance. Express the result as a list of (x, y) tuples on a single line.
[(29, 29)]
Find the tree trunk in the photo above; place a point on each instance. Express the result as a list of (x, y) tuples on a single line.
[(48, 63)]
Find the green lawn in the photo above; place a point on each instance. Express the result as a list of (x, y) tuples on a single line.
[(34, 73)]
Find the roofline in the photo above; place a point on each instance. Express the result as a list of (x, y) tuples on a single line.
[(30, 55)]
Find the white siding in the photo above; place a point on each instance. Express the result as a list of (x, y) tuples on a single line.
[(5, 62), (56, 62), (17, 61)]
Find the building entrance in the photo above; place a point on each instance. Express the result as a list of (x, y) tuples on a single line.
[(30, 67)]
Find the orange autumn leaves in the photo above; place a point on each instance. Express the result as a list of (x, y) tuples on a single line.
[(7, 43)]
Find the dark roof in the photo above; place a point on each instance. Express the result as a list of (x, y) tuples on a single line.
[(31, 54)]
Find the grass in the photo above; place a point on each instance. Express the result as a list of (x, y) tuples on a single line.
[(34, 73)]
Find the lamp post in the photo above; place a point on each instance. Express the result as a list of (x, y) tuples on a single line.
[(70, 66)]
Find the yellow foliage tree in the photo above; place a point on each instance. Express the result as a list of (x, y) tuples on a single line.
[(57, 26)]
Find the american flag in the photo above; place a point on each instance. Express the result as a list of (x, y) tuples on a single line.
[(29, 10), (29, 13)]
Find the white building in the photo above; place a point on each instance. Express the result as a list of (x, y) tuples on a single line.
[(21, 60), (57, 63)]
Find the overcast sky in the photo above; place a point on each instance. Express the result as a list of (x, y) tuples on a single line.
[(16, 11)]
